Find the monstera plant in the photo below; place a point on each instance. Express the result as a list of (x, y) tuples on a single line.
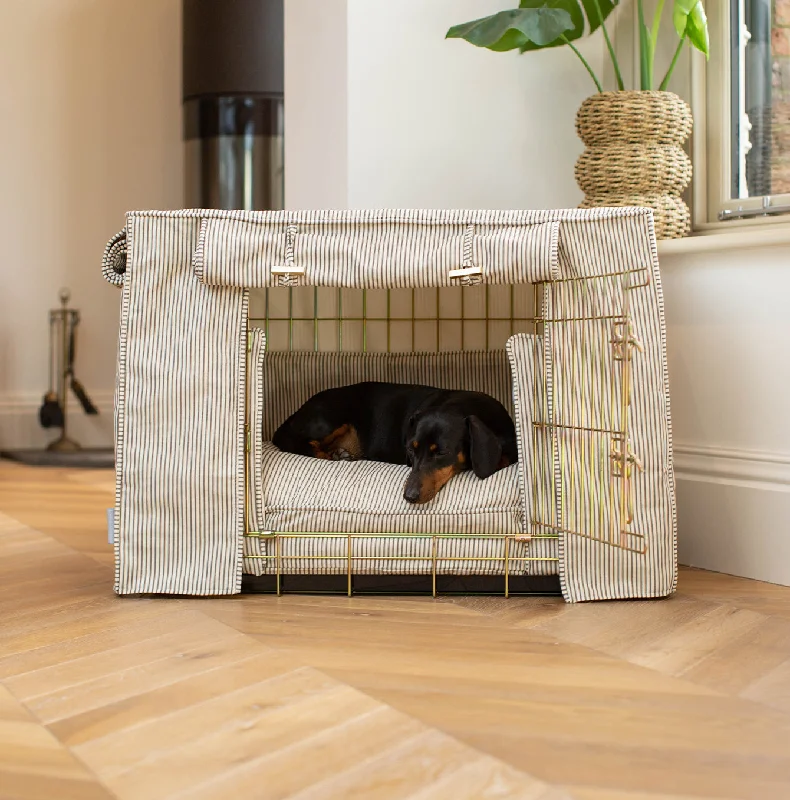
[(633, 140), (537, 24)]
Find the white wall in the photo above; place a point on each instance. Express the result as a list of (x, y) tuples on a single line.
[(440, 123), (90, 95), (394, 115), (316, 108), (728, 332)]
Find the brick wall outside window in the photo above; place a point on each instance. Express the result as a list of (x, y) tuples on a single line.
[(780, 98)]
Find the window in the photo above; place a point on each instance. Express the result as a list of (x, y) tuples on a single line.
[(745, 151)]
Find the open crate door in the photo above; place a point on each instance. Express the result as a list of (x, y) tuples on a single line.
[(603, 475)]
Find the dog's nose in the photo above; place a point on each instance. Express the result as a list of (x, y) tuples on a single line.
[(411, 493)]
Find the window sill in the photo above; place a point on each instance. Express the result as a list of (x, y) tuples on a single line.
[(739, 238)]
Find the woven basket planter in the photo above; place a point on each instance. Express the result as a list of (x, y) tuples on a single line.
[(634, 155)]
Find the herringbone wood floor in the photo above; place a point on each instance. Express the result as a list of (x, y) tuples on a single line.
[(330, 697)]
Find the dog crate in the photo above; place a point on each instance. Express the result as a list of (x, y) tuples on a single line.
[(231, 320)]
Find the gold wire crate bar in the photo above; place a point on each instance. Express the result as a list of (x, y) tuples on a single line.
[(529, 320), (621, 542), (385, 535), (550, 426), (643, 271), (406, 558), (506, 558)]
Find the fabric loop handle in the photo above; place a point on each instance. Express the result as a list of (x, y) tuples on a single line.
[(113, 265)]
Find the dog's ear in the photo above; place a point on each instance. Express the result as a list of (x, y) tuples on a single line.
[(485, 450), (409, 427)]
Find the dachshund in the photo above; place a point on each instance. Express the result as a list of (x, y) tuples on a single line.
[(437, 432)]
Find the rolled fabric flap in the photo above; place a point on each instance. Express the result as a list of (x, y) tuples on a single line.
[(363, 250), (113, 265)]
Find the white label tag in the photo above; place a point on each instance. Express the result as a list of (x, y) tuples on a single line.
[(110, 525)]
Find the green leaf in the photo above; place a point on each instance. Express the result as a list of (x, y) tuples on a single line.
[(578, 14), (657, 14), (645, 52), (577, 18), (607, 6), (515, 28), (646, 59), (690, 20)]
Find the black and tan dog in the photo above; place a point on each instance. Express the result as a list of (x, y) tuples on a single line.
[(437, 432)]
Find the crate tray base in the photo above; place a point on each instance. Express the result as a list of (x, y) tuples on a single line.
[(402, 584)]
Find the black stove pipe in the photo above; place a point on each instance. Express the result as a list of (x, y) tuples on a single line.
[(233, 103)]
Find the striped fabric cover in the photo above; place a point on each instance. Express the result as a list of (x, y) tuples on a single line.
[(293, 377), (590, 569), (394, 250), (255, 392), (180, 419), (307, 495), (525, 353), (181, 377)]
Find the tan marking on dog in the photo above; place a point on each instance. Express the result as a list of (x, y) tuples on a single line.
[(343, 438), (318, 451), (434, 481), (433, 448), (415, 444), (461, 458)]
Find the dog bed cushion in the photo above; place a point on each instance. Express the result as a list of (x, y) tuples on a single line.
[(307, 495)]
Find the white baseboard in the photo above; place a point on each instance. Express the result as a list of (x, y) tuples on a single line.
[(740, 467), (734, 511), (20, 428)]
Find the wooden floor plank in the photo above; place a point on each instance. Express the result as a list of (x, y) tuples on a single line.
[(154, 741), (34, 764), (132, 714), (85, 670), (482, 779), (409, 766), (241, 758), (773, 688), (114, 686)]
